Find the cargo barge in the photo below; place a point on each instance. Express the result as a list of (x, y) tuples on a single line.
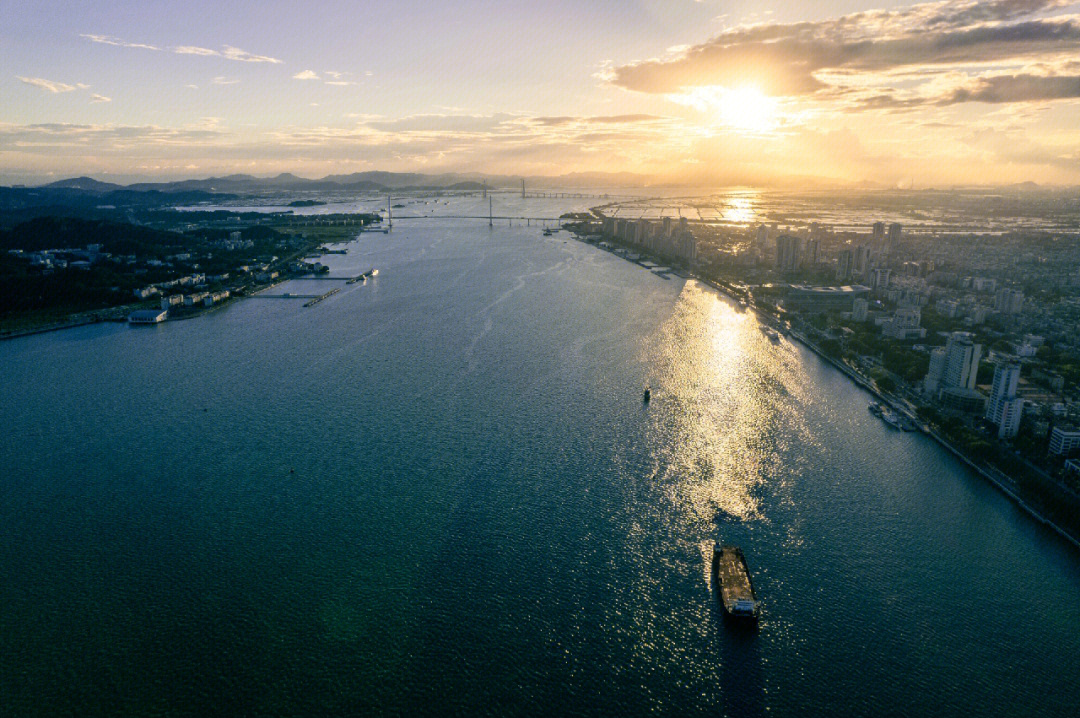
[(733, 585)]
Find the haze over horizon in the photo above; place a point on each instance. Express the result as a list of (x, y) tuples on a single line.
[(713, 93)]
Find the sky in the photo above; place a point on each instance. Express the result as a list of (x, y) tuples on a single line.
[(709, 92)]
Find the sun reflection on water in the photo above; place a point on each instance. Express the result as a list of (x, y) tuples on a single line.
[(722, 395), (740, 210)]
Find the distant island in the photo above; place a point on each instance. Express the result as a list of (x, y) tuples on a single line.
[(306, 203)]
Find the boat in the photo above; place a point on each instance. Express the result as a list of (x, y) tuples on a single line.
[(891, 418), (875, 408), (374, 272), (648, 395), (731, 578)]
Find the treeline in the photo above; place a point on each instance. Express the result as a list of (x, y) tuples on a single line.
[(71, 233)]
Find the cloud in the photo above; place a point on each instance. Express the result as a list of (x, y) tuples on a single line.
[(336, 77), (1015, 88), (229, 53), (432, 123), (828, 58), (193, 50), (235, 53), (221, 80), (99, 98), (605, 119), (49, 85), (108, 40)]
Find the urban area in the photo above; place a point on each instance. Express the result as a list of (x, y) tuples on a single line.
[(971, 336)]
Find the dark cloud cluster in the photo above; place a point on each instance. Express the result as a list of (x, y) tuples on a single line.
[(813, 58)]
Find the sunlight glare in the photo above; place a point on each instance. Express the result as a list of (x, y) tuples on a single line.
[(747, 108)]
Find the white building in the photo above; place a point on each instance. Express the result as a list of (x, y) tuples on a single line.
[(961, 361), (879, 278), (932, 382), (147, 316), (1003, 408), (860, 309), (904, 324), (1064, 441)]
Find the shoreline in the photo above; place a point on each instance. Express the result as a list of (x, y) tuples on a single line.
[(866, 385)]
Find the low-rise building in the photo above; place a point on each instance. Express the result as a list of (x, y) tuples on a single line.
[(824, 299), (1064, 440), (211, 299), (147, 316)]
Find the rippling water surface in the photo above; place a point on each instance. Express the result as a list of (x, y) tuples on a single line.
[(440, 493)]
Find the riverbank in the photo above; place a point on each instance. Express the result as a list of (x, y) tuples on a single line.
[(868, 385)]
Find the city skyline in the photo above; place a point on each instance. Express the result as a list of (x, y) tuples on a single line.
[(704, 93)]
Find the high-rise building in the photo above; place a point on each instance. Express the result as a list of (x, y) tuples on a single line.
[(1009, 301), (810, 252), (1003, 408), (895, 229), (878, 232), (932, 382), (861, 264), (961, 361), (788, 251), (879, 278), (643, 232), (845, 265), (860, 309)]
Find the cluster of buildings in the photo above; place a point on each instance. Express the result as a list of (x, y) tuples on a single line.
[(972, 286), (666, 237), (49, 260)]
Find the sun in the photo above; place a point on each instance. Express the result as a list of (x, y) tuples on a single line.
[(744, 108), (747, 108)]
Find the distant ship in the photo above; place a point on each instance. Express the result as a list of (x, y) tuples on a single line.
[(648, 395), (731, 578)]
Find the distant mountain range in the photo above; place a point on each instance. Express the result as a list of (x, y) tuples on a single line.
[(373, 181)]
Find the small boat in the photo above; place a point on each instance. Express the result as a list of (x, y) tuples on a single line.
[(875, 408), (890, 417), (648, 395), (374, 272), (731, 578)]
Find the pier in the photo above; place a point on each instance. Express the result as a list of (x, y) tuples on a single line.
[(316, 300)]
